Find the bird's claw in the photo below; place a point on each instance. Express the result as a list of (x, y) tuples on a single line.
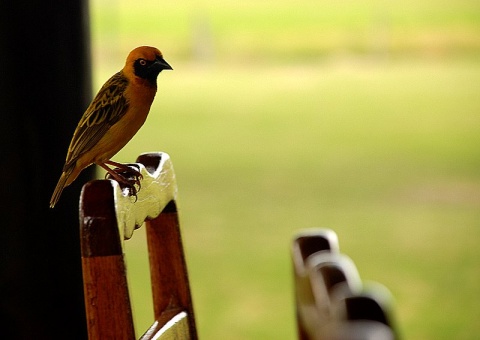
[(129, 178)]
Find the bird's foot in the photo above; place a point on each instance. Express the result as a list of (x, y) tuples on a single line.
[(128, 176)]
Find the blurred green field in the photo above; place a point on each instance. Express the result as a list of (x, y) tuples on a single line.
[(279, 116)]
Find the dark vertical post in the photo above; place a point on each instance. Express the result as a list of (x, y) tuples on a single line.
[(45, 85)]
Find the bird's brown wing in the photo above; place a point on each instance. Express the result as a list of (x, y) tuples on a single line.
[(108, 106)]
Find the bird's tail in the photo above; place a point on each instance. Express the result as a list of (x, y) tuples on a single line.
[(62, 183)]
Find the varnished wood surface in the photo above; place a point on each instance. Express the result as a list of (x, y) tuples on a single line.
[(108, 216), (170, 285), (99, 231), (109, 314)]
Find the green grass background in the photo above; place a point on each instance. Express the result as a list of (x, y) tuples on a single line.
[(362, 117)]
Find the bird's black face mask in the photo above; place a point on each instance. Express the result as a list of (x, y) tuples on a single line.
[(149, 69)]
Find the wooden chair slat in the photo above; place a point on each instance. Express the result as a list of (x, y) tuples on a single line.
[(331, 302), (108, 216)]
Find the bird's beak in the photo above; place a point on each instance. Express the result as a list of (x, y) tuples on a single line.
[(160, 64)]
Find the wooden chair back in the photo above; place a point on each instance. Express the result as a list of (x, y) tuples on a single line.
[(109, 214), (331, 301)]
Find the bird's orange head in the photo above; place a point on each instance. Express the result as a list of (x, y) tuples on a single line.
[(145, 62)]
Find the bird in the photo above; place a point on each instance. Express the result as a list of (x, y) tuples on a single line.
[(114, 116)]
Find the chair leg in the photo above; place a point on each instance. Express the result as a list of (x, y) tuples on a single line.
[(170, 285)]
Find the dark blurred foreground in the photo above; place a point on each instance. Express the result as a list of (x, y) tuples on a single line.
[(44, 89)]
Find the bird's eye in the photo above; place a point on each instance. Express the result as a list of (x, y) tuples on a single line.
[(142, 62)]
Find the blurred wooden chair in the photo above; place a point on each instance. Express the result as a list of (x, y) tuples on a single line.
[(108, 215), (331, 302)]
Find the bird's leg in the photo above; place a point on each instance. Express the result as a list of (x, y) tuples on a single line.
[(124, 174), (127, 169)]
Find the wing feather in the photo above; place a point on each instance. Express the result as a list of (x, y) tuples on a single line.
[(108, 106)]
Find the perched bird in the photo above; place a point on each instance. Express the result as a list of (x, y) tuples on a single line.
[(113, 117)]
